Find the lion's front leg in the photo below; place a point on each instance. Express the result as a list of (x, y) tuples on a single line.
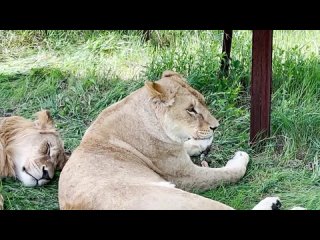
[(1, 202), (203, 178)]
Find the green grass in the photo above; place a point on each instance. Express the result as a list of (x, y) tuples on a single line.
[(76, 74)]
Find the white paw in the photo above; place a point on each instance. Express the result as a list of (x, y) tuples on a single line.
[(240, 159), (242, 155), (269, 203)]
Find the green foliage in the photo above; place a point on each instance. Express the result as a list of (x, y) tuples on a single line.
[(76, 74)]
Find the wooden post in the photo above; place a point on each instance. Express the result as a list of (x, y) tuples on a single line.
[(261, 78), (226, 49), (146, 35)]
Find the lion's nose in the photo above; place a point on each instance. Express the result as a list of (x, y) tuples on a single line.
[(45, 174), (213, 128)]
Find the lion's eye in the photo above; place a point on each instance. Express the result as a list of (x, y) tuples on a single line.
[(191, 110), (48, 149)]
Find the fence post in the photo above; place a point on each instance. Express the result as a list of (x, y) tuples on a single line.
[(226, 49), (261, 79), (146, 35)]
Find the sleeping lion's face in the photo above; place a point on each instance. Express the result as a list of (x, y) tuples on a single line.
[(37, 157), (33, 149)]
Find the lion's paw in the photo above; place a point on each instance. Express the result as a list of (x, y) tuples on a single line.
[(242, 155), (240, 159), (269, 203)]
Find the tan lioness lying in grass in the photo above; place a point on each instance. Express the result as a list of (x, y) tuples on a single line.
[(30, 150), (133, 155)]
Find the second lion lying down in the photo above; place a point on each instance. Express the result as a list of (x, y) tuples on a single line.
[(133, 155), (30, 151)]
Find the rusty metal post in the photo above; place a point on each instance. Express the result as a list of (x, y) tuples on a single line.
[(261, 78)]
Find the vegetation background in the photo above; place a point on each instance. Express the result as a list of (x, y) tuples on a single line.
[(76, 74)]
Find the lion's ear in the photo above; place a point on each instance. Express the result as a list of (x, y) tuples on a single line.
[(44, 120), (160, 94), (169, 73), (155, 90)]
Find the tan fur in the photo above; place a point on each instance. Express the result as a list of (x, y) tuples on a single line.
[(134, 150), (44, 121), (25, 146), (6, 164)]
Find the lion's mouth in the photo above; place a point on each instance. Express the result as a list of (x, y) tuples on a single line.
[(202, 138), (198, 138), (36, 179)]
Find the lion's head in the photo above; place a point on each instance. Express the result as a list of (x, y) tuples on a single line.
[(182, 112), (30, 151)]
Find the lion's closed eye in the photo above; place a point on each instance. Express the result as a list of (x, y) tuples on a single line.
[(45, 148), (191, 110), (48, 149)]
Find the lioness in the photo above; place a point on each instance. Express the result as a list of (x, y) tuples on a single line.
[(133, 155), (30, 150)]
